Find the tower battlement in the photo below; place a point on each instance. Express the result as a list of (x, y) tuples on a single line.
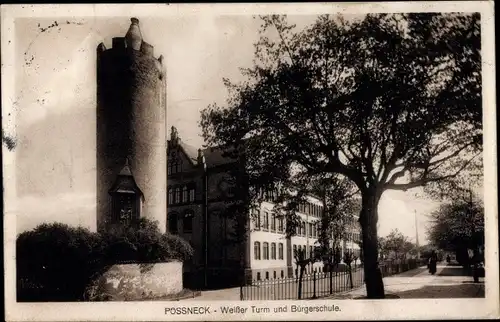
[(134, 45)]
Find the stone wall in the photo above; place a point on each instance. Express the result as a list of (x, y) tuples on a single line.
[(129, 282)]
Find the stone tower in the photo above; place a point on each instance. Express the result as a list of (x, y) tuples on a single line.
[(131, 120)]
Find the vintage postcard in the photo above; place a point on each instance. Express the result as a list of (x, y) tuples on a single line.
[(218, 162)]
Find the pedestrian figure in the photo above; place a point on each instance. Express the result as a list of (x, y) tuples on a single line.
[(432, 262)]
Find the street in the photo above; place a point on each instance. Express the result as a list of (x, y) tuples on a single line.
[(448, 282)]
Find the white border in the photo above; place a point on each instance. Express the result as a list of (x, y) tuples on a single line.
[(352, 310)]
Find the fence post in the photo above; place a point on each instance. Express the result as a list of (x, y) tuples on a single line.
[(331, 280), (314, 284)]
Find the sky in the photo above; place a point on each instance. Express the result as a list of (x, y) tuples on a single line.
[(55, 105)]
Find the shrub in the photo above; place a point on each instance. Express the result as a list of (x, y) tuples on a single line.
[(144, 243), (55, 262)]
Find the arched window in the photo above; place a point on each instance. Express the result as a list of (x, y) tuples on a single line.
[(266, 251), (280, 251), (256, 250), (170, 198), (185, 194), (273, 222), (273, 250), (172, 223), (187, 222)]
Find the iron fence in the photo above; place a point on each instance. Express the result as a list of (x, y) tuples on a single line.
[(315, 285), (318, 284)]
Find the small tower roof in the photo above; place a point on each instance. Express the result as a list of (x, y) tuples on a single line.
[(133, 35), (125, 182)]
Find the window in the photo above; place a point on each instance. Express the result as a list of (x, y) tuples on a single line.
[(266, 251), (273, 250), (256, 251), (172, 223), (274, 274), (280, 251), (311, 254), (258, 276), (281, 227), (282, 274), (310, 232), (294, 249), (187, 222), (267, 275), (170, 197), (185, 196), (191, 194), (256, 218), (303, 228), (273, 222), (177, 195), (266, 221)]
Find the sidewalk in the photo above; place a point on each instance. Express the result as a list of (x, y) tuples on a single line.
[(448, 282)]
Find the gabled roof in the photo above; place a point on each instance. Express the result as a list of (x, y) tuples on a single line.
[(213, 156), (125, 182)]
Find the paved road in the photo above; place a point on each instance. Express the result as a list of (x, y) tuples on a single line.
[(448, 282)]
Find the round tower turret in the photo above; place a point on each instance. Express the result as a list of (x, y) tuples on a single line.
[(131, 120)]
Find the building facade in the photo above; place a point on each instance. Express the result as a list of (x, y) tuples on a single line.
[(198, 191), (131, 121)]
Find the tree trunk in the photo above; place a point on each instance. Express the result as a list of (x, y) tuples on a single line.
[(302, 268), (368, 220)]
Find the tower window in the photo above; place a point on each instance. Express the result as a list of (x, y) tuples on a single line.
[(172, 223), (187, 222)]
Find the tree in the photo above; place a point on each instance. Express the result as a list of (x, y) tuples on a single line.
[(389, 101), (458, 226), (397, 244)]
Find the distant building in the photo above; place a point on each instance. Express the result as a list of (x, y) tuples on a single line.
[(198, 187)]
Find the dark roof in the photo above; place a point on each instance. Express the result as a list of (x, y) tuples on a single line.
[(213, 156), (125, 182)]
